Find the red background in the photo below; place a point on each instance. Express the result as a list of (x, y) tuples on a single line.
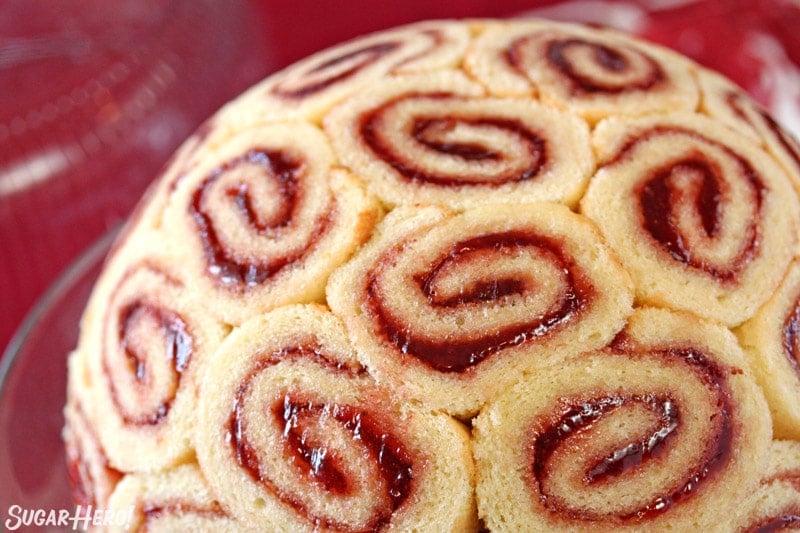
[(95, 94)]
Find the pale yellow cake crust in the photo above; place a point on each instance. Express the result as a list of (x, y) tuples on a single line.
[(454, 276)]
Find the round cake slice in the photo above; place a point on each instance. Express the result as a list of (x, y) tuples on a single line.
[(458, 276)]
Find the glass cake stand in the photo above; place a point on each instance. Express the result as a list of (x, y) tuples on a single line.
[(33, 378)]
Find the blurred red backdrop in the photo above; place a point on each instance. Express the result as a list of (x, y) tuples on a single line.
[(96, 94)]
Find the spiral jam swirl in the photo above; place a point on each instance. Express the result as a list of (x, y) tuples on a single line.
[(298, 415), (479, 296), (704, 220), (264, 221), (594, 72), (683, 205), (411, 47), (446, 302), (730, 103), (573, 420), (594, 67), (649, 432), (298, 419), (147, 349), (334, 70), (447, 149), (238, 186), (427, 138)]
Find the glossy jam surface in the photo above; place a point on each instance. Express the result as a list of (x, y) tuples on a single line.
[(454, 355), (295, 415), (322, 466), (232, 268), (142, 317), (177, 341), (575, 416), (705, 190), (429, 133), (658, 195)]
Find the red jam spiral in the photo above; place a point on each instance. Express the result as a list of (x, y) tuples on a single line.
[(704, 220), (663, 429), (591, 71), (297, 434), (407, 48), (451, 355), (446, 304), (693, 188), (437, 138), (232, 186), (575, 417), (433, 132), (295, 416), (613, 69), (147, 348)]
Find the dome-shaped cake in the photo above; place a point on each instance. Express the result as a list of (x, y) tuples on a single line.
[(456, 276)]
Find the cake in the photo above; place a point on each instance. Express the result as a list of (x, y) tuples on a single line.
[(481, 275)]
